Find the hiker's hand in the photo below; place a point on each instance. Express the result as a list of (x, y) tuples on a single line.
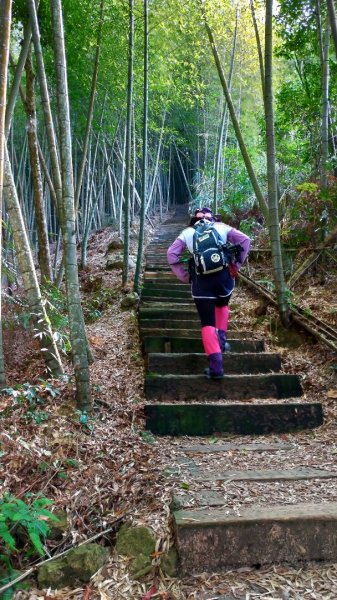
[(233, 270)]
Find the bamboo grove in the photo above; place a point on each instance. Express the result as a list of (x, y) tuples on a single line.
[(114, 111)]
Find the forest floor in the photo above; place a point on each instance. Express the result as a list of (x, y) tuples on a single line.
[(106, 467)]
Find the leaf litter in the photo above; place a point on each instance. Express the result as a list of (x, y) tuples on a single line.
[(110, 469)]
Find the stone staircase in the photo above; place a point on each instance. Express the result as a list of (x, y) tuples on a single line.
[(254, 398)]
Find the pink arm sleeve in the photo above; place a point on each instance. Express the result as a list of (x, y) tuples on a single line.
[(173, 258), (235, 236)]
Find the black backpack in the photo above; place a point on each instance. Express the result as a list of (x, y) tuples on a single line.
[(208, 252)]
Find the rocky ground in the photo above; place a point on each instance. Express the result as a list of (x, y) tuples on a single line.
[(104, 470)]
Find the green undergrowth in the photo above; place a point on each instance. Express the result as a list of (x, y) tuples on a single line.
[(96, 303), (24, 528), (31, 399)]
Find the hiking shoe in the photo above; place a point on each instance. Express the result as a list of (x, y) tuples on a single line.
[(209, 375), (215, 368), (222, 337)]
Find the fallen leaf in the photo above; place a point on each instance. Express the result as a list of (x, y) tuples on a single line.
[(150, 593)]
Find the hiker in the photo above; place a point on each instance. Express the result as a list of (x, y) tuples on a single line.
[(211, 291)]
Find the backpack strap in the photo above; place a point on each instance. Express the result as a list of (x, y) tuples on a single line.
[(199, 227)]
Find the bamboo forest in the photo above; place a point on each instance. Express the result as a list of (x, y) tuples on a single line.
[(168, 330)]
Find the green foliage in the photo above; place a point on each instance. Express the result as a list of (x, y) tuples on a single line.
[(56, 307), (31, 397), (247, 226), (30, 523), (309, 213), (290, 298), (84, 420), (17, 316), (97, 303), (267, 283), (7, 576), (147, 437), (298, 107), (309, 187), (33, 519), (184, 486)]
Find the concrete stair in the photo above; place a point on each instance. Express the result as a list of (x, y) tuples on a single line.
[(239, 418), (234, 363), (159, 343), (216, 540), (254, 398)]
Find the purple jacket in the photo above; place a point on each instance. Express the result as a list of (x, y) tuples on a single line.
[(175, 251)]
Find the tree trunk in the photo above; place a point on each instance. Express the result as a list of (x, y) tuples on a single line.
[(155, 172), (333, 23), (91, 203), (48, 119), (13, 94), (40, 217), (224, 116), (134, 166), (128, 146), (122, 186), (28, 274), (97, 194), (90, 110), (237, 129), (183, 172), (144, 150), (76, 322), (325, 106), (259, 47), (5, 28), (274, 227)]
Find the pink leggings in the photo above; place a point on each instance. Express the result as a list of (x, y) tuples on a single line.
[(213, 312)]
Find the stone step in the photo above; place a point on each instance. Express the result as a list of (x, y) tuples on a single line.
[(170, 344), (157, 257), (160, 277), (151, 266), (296, 474), (156, 251), (156, 327), (238, 447), (164, 241), (158, 310), (213, 541), (159, 292), (240, 418), (166, 233), (167, 280), (173, 326), (163, 388), (176, 285), (190, 364), (161, 245), (161, 310), (180, 298)]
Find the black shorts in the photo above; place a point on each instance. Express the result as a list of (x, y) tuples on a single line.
[(212, 287)]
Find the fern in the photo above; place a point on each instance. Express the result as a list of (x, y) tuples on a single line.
[(6, 535), (34, 519), (6, 577)]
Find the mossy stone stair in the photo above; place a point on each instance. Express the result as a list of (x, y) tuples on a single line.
[(253, 398)]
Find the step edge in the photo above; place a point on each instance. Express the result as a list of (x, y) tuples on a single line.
[(304, 512)]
